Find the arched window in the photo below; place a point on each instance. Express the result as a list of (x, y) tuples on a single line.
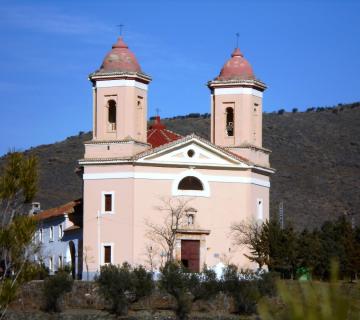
[(190, 183), (112, 114), (230, 121)]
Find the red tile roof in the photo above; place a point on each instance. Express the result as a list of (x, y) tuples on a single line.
[(69, 207), (158, 135)]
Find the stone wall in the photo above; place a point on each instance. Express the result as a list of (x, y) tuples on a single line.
[(85, 296)]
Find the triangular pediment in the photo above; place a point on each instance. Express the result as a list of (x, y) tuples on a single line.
[(192, 152)]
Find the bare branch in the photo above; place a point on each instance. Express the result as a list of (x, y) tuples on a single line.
[(251, 235), (174, 212)]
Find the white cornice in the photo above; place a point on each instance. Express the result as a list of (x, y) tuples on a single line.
[(121, 83), (174, 176), (249, 91)]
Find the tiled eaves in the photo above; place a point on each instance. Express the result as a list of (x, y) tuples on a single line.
[(186, 139), (106, 160), (98, 75), (251, 146), (166, 146), (124, 141), (66, 208), (237, 82), (176, 134), (174, 143)]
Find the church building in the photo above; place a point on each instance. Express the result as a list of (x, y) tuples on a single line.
[(130, 171)]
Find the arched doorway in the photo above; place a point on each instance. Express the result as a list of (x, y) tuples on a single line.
[(73, 258)]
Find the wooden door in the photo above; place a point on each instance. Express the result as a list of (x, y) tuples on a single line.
[(190, 254)]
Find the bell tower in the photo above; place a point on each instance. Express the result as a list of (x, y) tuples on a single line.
[(236, 108), (119, 105)]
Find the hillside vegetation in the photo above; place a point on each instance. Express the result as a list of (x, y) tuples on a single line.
[(316, 155)]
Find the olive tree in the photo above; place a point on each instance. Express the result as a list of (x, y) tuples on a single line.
[(18, 182)]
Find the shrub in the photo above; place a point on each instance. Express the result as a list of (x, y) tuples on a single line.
[(123, 285), (294, 110), (204, 285), (281, 111), (54, 288), (311, 300), (114, 282), (175, 281), (267, 284), (36, 271), (242, 287), (143, 283), (187, 287)]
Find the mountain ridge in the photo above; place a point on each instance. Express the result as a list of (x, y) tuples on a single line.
[(316, 155)]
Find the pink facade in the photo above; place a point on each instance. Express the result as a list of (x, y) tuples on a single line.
[(126, 180)]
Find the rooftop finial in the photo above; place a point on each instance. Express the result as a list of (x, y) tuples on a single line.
[(157, 111), (237, 39), (120, 26)]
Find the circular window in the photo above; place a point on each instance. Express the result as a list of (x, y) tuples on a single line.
[(191, 153)]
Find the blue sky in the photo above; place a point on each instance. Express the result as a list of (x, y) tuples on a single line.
[(307, 52)]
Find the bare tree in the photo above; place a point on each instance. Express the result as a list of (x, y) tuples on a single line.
[(152, 252), (175, 217), (88, 258), (252, 235)]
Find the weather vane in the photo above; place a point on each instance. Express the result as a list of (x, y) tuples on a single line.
[(120, 26), (157, 111), (237, 39)]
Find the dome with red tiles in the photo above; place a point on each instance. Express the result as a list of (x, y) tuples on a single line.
[(120, 59), (236, 68)]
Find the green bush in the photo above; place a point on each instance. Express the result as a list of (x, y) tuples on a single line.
[(267, 284), (187, 287), (38, 271), (175, 281), (54, 288), (204, 285), (143, 283), (243, 288), (311, 300), (123, 285)]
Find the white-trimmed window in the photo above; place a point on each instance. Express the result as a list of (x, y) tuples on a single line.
[(61, 231), (51, 235), (230, 121), (112, 115), (107, 202), (51, 264), (107, 253), (191, 183)]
